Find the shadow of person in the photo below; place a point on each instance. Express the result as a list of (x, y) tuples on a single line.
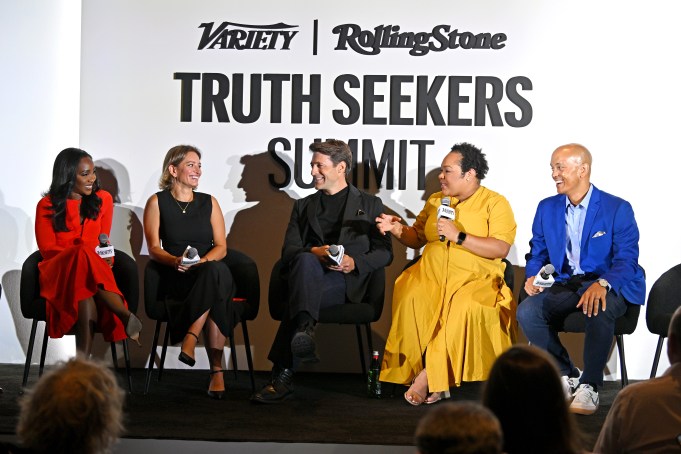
[(16, 244), (127, 235), (258, 231)]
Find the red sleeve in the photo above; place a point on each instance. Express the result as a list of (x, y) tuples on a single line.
[(105, 212), (44, 231)]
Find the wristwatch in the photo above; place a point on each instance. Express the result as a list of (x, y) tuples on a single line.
[(461, 238), (604, 283)]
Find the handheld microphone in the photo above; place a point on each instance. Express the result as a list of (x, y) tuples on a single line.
[(190, 256), (336, 253), (544, 277), (105, 250), (445, 211)]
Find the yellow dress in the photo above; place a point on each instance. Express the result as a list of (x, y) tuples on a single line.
[(452, 305)]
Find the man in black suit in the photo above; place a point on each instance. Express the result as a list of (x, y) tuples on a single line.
[(337, 214)]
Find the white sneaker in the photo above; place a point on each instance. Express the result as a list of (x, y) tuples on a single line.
[(570, 385), (585, 401)]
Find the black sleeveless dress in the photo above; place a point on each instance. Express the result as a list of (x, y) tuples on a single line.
[(208, 286)]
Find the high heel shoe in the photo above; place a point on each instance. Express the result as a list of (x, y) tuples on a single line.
[(133, 327), (185, 358), (412, 396), (217, 395)]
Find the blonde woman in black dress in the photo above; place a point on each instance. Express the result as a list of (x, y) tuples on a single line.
[(174, 219)]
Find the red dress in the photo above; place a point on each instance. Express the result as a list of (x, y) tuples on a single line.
[(72, 271)]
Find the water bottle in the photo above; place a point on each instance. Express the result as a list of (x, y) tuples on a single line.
[(373, 383)]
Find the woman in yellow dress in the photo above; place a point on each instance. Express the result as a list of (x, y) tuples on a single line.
[(452, 314)]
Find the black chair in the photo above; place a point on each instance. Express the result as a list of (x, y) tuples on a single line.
[(359, 314), (245, 274), (663, 300), (33, 306), (626, 324)]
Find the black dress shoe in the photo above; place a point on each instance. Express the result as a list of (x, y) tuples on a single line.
[(278, 389), (217, 395), (303, 344)]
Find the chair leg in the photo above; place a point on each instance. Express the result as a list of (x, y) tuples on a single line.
[(43, 352), (126, 355), (29, 352), (623, 364), (164, 350), (361, 350), (232, 351), (370, 342), (152, 356), (249, 358), (656, 361), (114, 356)]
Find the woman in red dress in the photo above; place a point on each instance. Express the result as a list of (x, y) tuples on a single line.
[(78, 285)]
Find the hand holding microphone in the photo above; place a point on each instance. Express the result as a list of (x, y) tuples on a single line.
[(104, 249), (190, 257), (544, 277), (445, 211), (336, 253)]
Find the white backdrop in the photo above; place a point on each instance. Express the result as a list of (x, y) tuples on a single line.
[(602, 75)]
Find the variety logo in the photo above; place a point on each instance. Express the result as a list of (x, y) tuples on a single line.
[(230, 35), (439, 39)]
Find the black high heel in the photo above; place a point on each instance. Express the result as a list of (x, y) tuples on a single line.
[(185, 358), (133, 327), (217, 395)]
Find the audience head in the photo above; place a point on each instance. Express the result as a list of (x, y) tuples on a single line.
[(538, 424), (337, 150), (75, 408), (471, 158), (174, 157), (674, 338), (459, 428)]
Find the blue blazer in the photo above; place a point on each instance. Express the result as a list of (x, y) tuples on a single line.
[(609, 245)]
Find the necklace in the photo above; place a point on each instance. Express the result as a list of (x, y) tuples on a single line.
[(184, 210)]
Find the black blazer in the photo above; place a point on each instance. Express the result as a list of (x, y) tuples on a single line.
[(359, 236)]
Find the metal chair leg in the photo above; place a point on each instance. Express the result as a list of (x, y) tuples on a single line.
[(43, 352), (361, 350), (126, 354), (114, 356), (249, 358), (164, 350), (656, 361), (232, 351), (623, 364), (152, 356), (29, 352)]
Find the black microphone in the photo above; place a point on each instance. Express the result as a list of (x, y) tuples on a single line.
[(547, 271), (190, 256), (544, 277), (105, 250), (336, 253), (445, 211)]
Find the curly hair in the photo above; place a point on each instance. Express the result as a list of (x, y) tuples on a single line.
[(63, 179), (472, 157), (337, 150), (174, 157), (75, 408)]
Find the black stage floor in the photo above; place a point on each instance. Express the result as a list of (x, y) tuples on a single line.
[(325, 408)]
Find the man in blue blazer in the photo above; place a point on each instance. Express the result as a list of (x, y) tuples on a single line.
[(338, 213), (591, 239)]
